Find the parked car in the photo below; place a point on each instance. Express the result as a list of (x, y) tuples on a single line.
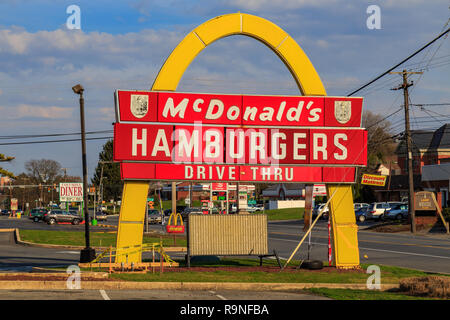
[(358, 206), (154, 216), (317, 210), (101, 216), (5, 212), (397, 212), (192, 210), (376, 210), (361, 214), (255, 207), (56, 216), (37, 214)]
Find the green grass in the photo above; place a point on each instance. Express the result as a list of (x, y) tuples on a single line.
[(389, 275), (97, 239), (285, 214), (348, 294)]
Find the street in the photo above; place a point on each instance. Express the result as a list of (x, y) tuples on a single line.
[(430, 253)]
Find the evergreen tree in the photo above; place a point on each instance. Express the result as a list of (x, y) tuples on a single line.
[(4, 172), (112, 184)]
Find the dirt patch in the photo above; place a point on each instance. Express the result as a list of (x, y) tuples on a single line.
[(260, 269), (432, 286), (392, 228)]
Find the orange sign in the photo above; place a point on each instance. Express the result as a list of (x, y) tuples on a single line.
[(373, 180)]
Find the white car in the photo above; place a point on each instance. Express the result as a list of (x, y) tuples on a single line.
[(317, 210), (376, 210)]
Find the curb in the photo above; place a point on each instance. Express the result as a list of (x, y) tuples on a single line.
[(40, 272), (215, 286)]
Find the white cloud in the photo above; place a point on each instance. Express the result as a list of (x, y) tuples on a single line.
[(52, 112), (255, 5)]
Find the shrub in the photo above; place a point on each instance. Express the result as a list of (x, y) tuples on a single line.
[(432, 286)]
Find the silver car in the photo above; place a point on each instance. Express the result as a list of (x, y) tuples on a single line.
[(57, 216), (397, 212)]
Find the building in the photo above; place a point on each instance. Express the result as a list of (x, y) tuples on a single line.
[(431, 167), (436, 178), (428, 148)]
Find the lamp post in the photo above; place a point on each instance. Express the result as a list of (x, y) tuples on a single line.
[(87, 254)]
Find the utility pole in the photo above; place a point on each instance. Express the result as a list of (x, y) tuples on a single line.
[(404, 86)]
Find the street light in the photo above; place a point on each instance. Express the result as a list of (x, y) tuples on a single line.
[(87, 254)]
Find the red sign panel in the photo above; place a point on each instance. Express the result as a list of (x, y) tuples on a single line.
[(283, 111), (217, 137), (218, 186), (265, 146), (230, 173), (205, 108), (236, 110)]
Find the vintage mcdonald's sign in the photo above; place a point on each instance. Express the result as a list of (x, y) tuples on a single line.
[(158, 136)]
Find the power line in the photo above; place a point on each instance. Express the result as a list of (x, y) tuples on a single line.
[(52, 135), (400, 63), (430, 104), (50, 141)]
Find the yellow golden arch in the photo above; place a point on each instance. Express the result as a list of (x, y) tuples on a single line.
[(132, 212)]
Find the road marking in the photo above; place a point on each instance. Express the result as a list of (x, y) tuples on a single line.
[(104, 295), (390, 251), (71, 252), (218, 295)]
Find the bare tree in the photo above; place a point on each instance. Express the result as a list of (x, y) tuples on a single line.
[(43, 171)]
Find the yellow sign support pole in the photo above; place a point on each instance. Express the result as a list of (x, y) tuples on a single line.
[(304, 74)]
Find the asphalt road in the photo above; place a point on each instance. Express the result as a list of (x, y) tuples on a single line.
[(429, 253), (153, 295)]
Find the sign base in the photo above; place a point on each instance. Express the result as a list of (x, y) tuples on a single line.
[(87, 255)]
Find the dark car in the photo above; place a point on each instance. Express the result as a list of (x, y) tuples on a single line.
[(154, 216), (56, 216), (101, 216), (193, 210), (361, 214), (5, 212), (37, 214), (397, 212)]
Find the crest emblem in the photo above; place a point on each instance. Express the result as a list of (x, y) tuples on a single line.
[(139, 105), (342, 111)]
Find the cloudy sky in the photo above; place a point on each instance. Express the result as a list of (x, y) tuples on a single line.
[(123, 44)]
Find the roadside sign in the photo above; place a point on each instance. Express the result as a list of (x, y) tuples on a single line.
[(319, 190), (373, 180), (218, 186), (423, 200), (14, 204), (71, 192)]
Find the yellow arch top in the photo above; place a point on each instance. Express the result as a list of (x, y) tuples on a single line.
[(258, 28)]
